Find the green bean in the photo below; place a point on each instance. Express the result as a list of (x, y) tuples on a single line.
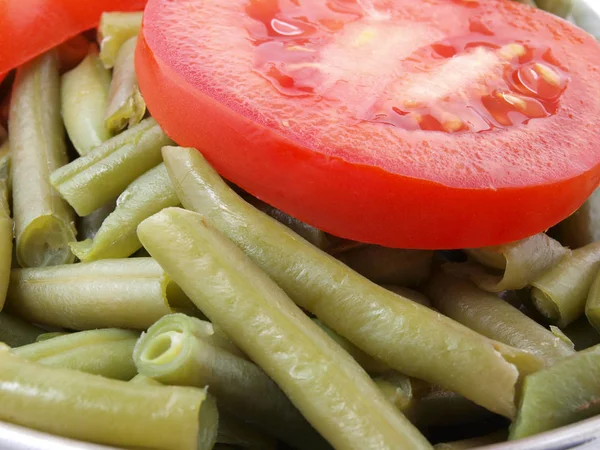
[(50, 335), (583, 226), (5, 163), (410, 294), (561, 293), (117, 236), (561, 8), (240, 387), (476, 442), (126, 106), (409, 337), (114, 29), (84, 91), (389, 265), (231, 431), (88, 226), (367, 362), (93, 180), (493, 317), (6, 241), (521, 262), (43, 222), (93, 408), (582, 334), (313, 235), (559, 395), (16, 332), (397, 388), (332, 391), (113, 293), (592, 306), (106, 352)]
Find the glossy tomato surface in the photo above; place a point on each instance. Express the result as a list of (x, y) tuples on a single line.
[(30, 27), (429, 124)]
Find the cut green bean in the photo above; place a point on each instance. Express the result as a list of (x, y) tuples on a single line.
[(126, 106), (240, 386), (476, 442), (561, 8), (114, 29), (117, 236), (5, 163), (93, 408), (493, 317), (559, 395), (43, 221), (6, 241), (106, 352), (409, 337), (389, 265), (231, 431), (16, 332), (519, 262), (50, 335), (84, 91), (367, 362), (114, 293), (582, 334), (592, 306), (88, 226), (332, 391), (561, 293), (410, 294), (95, 179), (397, 388), (583, 226)]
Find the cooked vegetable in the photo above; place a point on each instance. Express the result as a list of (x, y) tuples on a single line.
[(114, 412), (385, 123), (495, 318), (561, 8), (6, 240), (592, 306), (84, 91), (117, 237), (240, 387), (562, 394), (105, 352), (396, 330), (332, 391), (50, 335), (410, 294), (93, 180), (521, 263), (114, 29), (389, 265), (397, 388), (43, 221), (561, 293), (126, 107), (120, 293), (88, 226), (16, 332), (583, 226)]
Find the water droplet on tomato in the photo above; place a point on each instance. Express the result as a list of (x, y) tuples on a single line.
[(284, 28)]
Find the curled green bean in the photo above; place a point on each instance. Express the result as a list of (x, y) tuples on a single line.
[(95, 179), (16, 332), (43, 221), (559, 395), (106, 352), (495, 318), (332, 391), (93, 408), (561, 293), (409, 337), (519, 263), (241, 388), (117, 236), (84, 91), (114, 293), (114, 29), (126, 106)]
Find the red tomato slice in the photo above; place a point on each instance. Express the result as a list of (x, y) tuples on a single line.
[(428, 124), (31, 27)]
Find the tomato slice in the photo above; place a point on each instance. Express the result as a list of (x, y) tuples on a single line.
[(429, 124), (31, 27)]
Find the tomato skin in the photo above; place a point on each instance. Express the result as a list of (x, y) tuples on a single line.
[(349, 199), (31, 27)]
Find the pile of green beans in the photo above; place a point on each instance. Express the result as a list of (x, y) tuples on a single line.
[(149, 304)]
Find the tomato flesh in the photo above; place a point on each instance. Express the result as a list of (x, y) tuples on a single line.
[(29, 28), (384, 121)]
